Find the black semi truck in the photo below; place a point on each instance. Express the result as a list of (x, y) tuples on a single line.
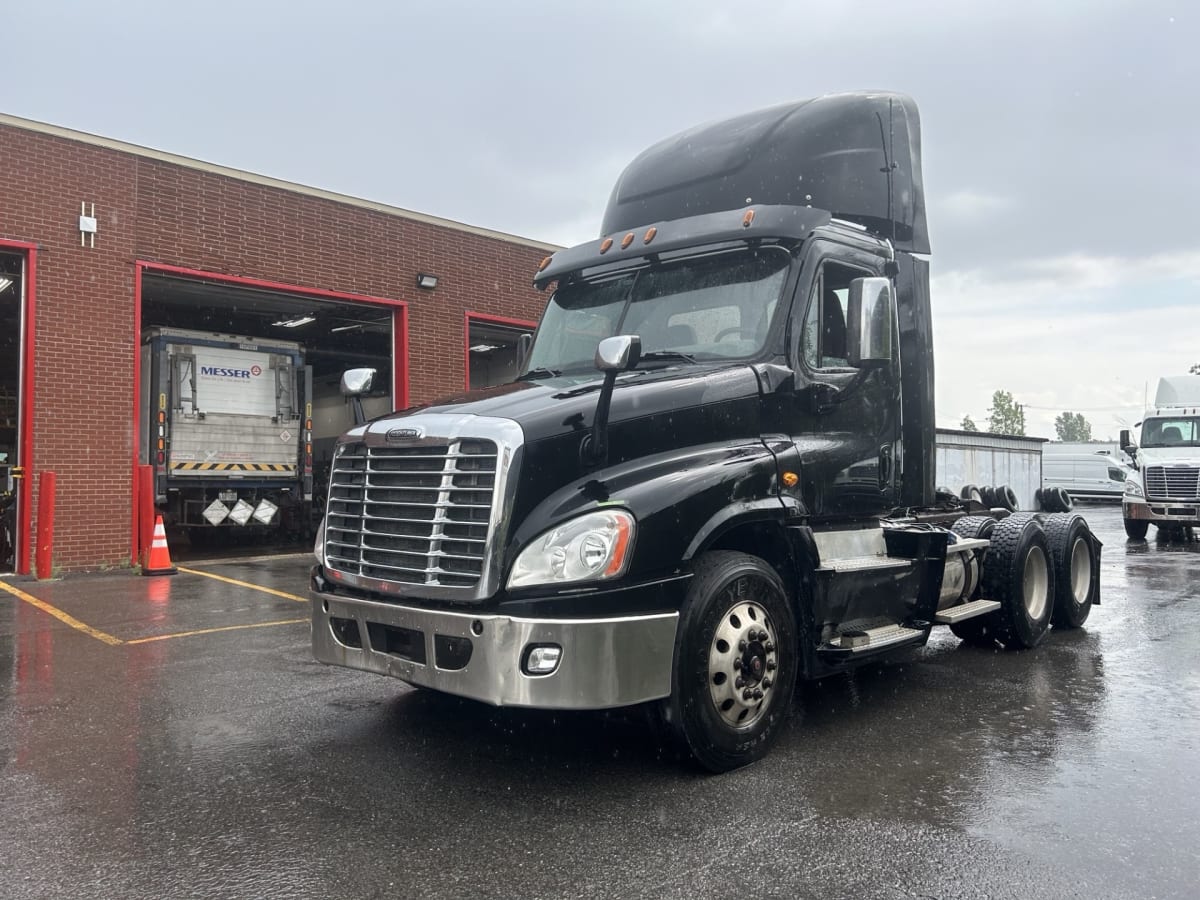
[(716, 473)]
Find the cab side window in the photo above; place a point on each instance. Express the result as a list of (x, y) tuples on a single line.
[(823, 339)]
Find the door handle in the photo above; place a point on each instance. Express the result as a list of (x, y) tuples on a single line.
[(885, 466)]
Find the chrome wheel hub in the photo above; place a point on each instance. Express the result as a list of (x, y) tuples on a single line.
[(1081, 570), (1036, 584), (742, 661)]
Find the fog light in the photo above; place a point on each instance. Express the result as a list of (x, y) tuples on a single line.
[(542, 659)]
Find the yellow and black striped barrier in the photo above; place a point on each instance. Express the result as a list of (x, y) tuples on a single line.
[(232, 467)]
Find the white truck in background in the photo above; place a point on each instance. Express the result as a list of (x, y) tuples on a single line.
[(226, 426), (1164, 491)]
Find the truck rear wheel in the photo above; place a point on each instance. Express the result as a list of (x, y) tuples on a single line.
[(735, 662), (1137, 528), (1076, 580), (1018, 573)]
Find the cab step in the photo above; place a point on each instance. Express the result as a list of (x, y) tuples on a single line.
[(966, 611), (865, 564), (872, 640)]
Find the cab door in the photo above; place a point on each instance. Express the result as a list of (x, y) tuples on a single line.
[(846, 423)]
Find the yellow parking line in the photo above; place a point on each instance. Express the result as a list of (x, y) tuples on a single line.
[(245, 584), (183, 634), (62, 616)]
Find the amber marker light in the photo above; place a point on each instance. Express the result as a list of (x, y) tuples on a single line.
[(605, 245), (545, 262), (627, 240), (790, 479), (624, 533), (650, 233), (748, 218)]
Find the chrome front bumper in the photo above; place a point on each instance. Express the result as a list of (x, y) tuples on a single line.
[(605, 663), (1166, 512)]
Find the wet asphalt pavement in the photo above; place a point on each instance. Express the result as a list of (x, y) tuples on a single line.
[(229, 764)]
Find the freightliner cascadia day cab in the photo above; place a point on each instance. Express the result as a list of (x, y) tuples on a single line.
[(1165, 489), (716, 473)]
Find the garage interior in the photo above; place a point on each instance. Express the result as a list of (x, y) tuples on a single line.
[(336, 335), (12, 279)]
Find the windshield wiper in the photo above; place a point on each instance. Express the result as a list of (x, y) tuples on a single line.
[(540, 372), (667, 355)]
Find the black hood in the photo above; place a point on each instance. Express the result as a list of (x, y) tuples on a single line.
[(554, 406)]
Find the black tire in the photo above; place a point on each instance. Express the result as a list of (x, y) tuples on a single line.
[(1064, 500), (1007, 498), (988, 494), (974, 527), (1019, 573), (1076, 556), (732, 597), (971, 492), (980, 631), (1137, 528), (1037, 498)]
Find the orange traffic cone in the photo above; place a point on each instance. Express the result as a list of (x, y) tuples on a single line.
[(159, 560)]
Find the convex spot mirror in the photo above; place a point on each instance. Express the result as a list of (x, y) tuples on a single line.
[(616, 354), (870, 321), (356, 382)]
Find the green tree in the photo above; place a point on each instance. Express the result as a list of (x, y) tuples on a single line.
[(968, 424), (1006, 415), (1194, 370), (1073, 427)]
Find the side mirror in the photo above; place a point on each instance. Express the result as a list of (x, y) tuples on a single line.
[(356, 382), (1126, 443), (616, 354), (613, 355), (870, 320), (524, 345)]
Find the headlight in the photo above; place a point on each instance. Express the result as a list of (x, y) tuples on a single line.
[(1133, 489), (593, 547), (319, 543)]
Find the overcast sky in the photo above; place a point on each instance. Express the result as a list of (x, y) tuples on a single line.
[(1062, 139)]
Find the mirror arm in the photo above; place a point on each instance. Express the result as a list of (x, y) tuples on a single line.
[(593, 451)]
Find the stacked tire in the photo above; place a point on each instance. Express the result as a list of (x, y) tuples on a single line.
[(1002, 497), (1054, 500)]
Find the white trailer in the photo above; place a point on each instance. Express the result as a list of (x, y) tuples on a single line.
[(227, 429)]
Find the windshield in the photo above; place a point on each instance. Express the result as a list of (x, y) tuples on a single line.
[(712, 307), (1181, 431)]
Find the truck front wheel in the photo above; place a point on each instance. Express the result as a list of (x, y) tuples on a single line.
[(1137, 528), (735, 662)]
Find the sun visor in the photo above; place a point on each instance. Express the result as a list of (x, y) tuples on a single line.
[(856, 155)]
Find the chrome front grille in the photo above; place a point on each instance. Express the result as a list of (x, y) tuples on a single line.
[(1173, 482), (414, 515)]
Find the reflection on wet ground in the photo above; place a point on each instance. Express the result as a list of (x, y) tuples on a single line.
[(205, 754)]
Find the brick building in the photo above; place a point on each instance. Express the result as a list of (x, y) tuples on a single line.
[(101, 241)]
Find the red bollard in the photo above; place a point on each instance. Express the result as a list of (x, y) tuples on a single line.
[(145, 512), (45, 525)]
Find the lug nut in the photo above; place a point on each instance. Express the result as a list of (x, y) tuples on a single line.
[(769, 647), (770, 665), (766, 682), (758, 695), (747, 694), (740, 683), (737, 664), (742, 645)]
